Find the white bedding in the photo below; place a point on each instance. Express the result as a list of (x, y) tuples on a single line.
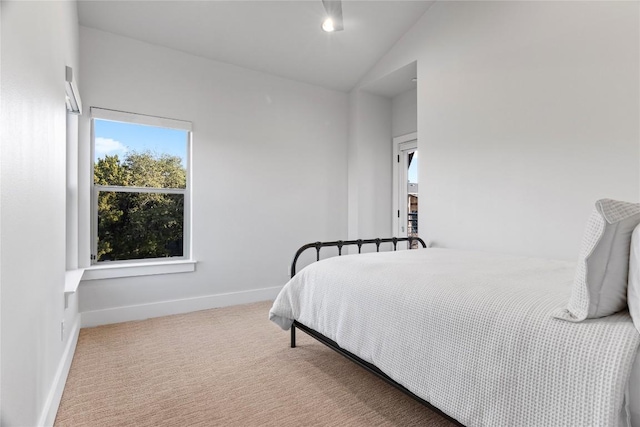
[(634, 393), (471, 333)]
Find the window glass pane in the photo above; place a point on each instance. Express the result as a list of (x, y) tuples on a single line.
[(135, 155), (139, 225)]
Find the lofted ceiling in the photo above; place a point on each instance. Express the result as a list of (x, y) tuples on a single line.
[(277, 37), (401, 80)]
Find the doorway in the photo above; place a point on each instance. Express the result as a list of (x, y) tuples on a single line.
[(405, 186)]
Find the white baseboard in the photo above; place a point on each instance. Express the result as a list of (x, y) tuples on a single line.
[(166, 308), (50, 409)]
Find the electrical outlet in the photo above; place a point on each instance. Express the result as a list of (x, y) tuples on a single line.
[(62, 331)]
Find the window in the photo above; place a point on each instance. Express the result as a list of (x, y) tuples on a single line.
[(141, 189)]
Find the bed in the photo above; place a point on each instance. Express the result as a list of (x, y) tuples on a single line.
[(470, 333)]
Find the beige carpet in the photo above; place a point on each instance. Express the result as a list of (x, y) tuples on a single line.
[(223, 367)]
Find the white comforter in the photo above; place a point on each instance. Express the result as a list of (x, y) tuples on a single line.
[(471, 333)]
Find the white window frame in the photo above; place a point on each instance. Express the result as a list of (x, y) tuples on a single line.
[(136, 267)]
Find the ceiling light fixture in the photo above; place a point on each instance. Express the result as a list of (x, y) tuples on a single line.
[(333, 21), (327, 25)]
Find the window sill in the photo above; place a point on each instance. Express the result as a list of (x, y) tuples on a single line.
[(113, 271), (72, 280)]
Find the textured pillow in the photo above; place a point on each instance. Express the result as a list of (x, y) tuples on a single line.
[(600, 285), (633, 291)]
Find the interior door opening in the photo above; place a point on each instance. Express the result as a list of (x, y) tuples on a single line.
[(406, 187), (412, 196)]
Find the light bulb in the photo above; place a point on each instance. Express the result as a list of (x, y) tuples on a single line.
[(327, 25)]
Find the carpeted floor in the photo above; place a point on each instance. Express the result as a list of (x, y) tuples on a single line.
[(223, 367)]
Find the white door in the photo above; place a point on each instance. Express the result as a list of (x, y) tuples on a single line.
[(405, 197)]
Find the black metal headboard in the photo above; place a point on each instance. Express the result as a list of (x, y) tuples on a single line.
[(359, 243)]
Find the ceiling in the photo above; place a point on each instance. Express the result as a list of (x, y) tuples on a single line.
[(395, 83), (277, 37)]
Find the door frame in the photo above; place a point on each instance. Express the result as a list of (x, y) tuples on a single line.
[(400, 143)]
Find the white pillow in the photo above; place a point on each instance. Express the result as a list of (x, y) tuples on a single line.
[(600, 285), (633, 292)]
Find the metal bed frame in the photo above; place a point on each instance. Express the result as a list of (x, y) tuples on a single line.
[(332, 344)]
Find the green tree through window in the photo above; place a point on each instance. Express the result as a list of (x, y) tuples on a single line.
[(138, 225)]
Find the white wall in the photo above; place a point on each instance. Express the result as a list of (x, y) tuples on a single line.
[(0, 215), (404, 113), (38, 40), (269, 166), (72, 201), (374, 120), (528, 112), (370, 153)]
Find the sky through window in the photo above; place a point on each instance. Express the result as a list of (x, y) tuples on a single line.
[(113, 138)]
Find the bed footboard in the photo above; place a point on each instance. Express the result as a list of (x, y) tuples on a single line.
[(340, 244), (360, 243), (332, 344)]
